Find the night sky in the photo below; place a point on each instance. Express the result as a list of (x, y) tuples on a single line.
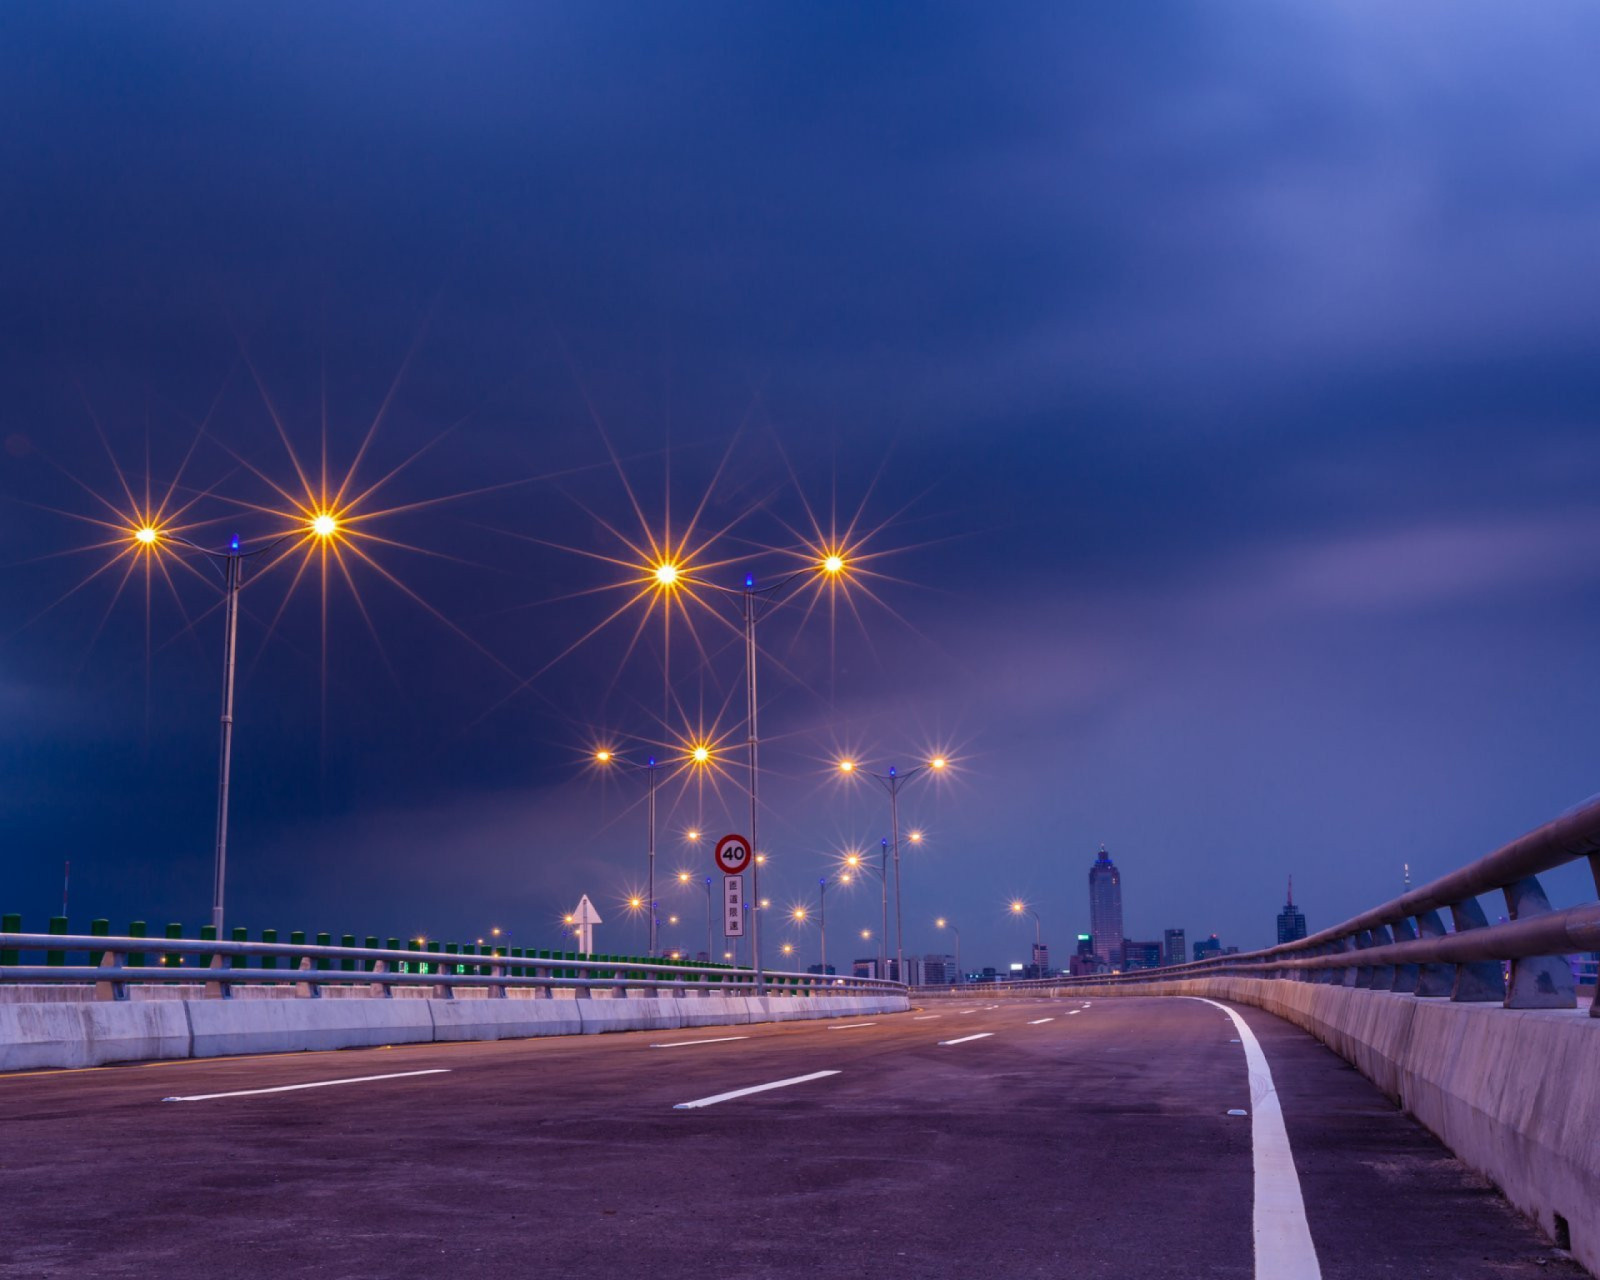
[(1213, 387)]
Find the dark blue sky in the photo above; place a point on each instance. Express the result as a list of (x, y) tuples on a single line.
[(1226, 378)]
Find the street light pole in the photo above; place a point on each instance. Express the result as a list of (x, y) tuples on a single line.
[(822, 923), (651, 792), (883, 885), (961, 976), (232, 572), (751, 747)]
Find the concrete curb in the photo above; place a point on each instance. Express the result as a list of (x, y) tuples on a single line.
[(1515, 1093), (87, 1034)]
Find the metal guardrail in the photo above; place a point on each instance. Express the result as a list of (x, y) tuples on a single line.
[(1404, 946), (227, 964)]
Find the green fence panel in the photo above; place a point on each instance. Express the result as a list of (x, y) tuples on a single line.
[(58, 924), (10, 923)]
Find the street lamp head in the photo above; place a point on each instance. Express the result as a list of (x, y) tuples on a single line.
[(915, 837), (852, 860), (602, 756), (701, 753), (683, 877), (938, 762), (847, 766), (799, 913), (691, 835), (666, 575), (1017, 908), (147, 535), (833, 563), (324, 524), (940, 922), (761, 859)]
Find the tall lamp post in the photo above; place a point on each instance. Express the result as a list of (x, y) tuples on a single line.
[(800, 914), (892, 782), (609, 758), (856, 862), (961, 976), (1020, 908), (684, 878), (754, 603), (151, 538)]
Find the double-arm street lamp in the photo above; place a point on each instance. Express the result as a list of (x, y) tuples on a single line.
[(150, 538), (892, 782)]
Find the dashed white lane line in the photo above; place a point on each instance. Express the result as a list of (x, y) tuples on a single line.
[(1284, 1250), (1070, 1012), (679, 1044), (925, 1017), (1037, 1021), (314, 1084), (982, 1035), (755, 1088), (969, 1010), (850, 1026)]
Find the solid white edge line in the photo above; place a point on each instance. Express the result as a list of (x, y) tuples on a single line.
[(850, 1026), (315, 1084), (982, 1035), (678, 1044), (1037, 1021), (755, 1088), (1283, 1245)]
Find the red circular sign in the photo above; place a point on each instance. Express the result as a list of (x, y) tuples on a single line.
[(732, 854)]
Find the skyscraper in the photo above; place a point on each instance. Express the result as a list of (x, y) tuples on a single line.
[(1291, 920), (1175, 950), (1105, 910)]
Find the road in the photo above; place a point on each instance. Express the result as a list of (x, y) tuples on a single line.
[(1029, 1138)]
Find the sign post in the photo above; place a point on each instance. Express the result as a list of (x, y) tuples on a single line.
[(584, 919)]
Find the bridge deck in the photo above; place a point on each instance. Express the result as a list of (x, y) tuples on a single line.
[(1095, 1144)]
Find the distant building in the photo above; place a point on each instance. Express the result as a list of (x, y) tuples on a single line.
[(940, 970), (1207, 947), (818, 969), (1140, 955), (1040, 967), (1105, 910), (1291, 920), (915, 975), (866, 968), (1174, 950), (1084, 961)]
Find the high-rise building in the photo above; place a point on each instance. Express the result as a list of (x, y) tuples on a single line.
[(939, 970), (1040, 968), (1140, 955), (1174, 950), (1291, 920), (1207, 947), (1105, 910)]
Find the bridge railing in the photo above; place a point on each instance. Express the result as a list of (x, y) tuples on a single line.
[(1404, 945), (115, 966)]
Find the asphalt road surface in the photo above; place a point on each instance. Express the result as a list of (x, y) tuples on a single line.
[(1030, 1138)]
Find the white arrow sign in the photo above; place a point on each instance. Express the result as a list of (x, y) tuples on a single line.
[(585, 917)]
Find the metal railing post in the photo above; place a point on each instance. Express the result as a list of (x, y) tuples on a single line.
[(1405, 975), (1536, 982), (1436, 979), (1477, 980)]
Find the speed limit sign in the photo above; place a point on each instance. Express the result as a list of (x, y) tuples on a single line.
[(732, 854)]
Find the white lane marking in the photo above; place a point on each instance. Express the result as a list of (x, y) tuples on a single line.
[(1284, 1250), (755, 1088), (969, 1010), (850, 1026), (678, 1044), (982, 1035), (926, 1017), (1070, 1012), (1234, 1111), (315, 1084), (1037, 1021)]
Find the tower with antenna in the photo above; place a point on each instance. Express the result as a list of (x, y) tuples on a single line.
[(1291, 920)]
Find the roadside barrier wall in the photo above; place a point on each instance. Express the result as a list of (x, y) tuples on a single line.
[(1515, 1093), (90, 1033)]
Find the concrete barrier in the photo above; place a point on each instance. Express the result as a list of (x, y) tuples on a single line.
[(223, 1027), (1515, 1093), (89, 1033), (504, 1019)]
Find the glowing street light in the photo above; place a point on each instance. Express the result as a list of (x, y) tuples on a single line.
[(858, 864), (892, 782), (942, 923)]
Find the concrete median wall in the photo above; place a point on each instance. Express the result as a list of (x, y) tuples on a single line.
[(88, 1033), (1515, 1093)]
